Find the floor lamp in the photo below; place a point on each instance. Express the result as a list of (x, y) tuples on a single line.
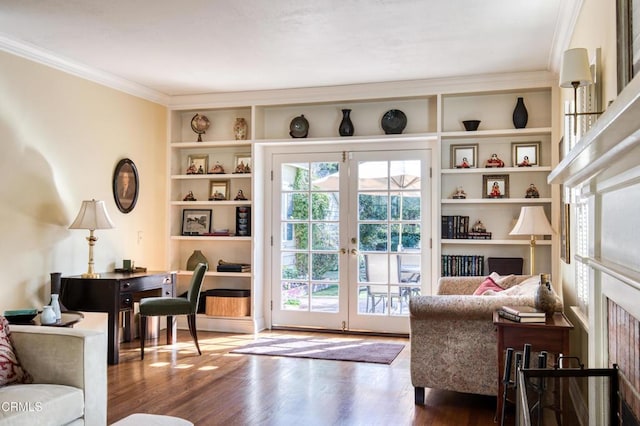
[(92, 215), (532, 221)]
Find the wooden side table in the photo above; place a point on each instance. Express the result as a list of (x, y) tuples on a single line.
[(551, 336)]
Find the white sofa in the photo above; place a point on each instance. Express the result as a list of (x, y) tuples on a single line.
[(69, 369)]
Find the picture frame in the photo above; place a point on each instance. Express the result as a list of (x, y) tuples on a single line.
[(525, 154), (218, 190), (197, 164), (627, 41), (495, 186), (196, 221), (464, 156), (565, 229), (126, 185), (242, 163)]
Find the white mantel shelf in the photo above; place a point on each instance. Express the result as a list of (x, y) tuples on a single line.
[(610, 141)]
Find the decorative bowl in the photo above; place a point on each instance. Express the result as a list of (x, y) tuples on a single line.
[(471, 125), (299, 127), (393, 122), (20, 316)]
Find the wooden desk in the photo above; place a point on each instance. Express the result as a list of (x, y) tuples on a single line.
[(112, 293), (551, 336)]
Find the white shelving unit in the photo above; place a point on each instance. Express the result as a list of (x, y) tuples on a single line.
[(495, 135), (435, 111)]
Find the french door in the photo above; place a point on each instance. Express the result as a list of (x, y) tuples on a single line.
[(347, 238)]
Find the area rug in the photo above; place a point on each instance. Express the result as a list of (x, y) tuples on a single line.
[(337, 349)]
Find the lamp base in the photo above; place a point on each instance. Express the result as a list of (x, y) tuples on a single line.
[(90, 275)]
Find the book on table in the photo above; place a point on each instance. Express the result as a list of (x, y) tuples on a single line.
[(517, 318), (523, 311)]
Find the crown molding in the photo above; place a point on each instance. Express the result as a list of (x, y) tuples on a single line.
[(567, 20), (78, 69)]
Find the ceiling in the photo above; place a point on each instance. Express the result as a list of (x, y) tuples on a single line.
[(211, 46)]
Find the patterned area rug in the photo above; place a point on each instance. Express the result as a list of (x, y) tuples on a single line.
[(338, 349)]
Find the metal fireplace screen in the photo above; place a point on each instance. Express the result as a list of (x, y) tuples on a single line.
[(554, 396)]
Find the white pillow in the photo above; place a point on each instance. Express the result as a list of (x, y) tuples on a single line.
[(525, 288), (505, 281)]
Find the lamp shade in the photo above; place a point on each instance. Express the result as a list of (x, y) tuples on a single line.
[(532, 221), (575, 68), (92, 215)]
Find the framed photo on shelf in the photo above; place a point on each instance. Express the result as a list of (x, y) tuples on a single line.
[(196, 221), (464, 156), (218, 190), (243, 163), (525, 154), (197, 164), (495, 186)]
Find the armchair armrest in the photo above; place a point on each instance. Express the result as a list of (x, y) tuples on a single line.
[(67, 356)]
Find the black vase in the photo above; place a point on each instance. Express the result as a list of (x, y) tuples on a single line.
[(56, 283), (346, 126), (520, 115)]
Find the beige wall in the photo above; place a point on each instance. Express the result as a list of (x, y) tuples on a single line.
[(61, 138), (595, 28)]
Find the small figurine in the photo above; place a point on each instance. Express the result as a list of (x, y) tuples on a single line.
[(242, 168), (189, 197), (495, 191), (200, 170), (479, 227), (217, 196), (464, 164), (217, 169), (494, 161), (525, 162), (459, 194), (240, 195), (192, 170), (532, 192)]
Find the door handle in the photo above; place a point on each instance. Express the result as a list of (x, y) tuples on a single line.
[(354, 251), (343, 250)]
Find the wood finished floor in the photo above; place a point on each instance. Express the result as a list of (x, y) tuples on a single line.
[(219, 388)]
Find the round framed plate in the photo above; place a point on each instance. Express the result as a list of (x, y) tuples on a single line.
[(393, 122), (299, 127)]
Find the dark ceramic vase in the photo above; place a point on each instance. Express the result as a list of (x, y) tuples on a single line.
[(520, 115), (346, 126)]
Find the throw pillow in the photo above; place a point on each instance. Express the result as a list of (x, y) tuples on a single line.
[(525, 288), (488, 285), (10, 369), (505, 281)]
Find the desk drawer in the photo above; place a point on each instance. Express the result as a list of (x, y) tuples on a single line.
[(144, 283)]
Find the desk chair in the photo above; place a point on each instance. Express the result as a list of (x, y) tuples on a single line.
[(170, 306)]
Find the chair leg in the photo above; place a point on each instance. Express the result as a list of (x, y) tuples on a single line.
[(143, 334), (171, 324), (191, 320)]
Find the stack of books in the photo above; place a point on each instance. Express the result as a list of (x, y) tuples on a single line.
[(233, 267), (522, 314)]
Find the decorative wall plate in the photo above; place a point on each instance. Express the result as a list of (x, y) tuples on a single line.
[(299, 127), (393, 122)]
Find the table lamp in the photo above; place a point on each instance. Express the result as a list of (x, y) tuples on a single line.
[(532, 222), (92, 215)]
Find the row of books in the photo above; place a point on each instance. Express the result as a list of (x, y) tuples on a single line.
[(462, 265), (457, 227), (454, 227), (522, 314)]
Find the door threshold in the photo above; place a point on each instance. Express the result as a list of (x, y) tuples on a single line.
[(344, 332)]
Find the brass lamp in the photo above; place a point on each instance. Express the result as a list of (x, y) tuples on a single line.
[(92, 215), (532, 221)]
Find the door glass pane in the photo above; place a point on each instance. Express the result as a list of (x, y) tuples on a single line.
[(294, 296), (325, 267), (295, 176), (295, 265), (372, 206), (372, 237), (324, 298), (324, 206), (405, 174), (295, 205), (295, 236), (325, 236), (373, 175)]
